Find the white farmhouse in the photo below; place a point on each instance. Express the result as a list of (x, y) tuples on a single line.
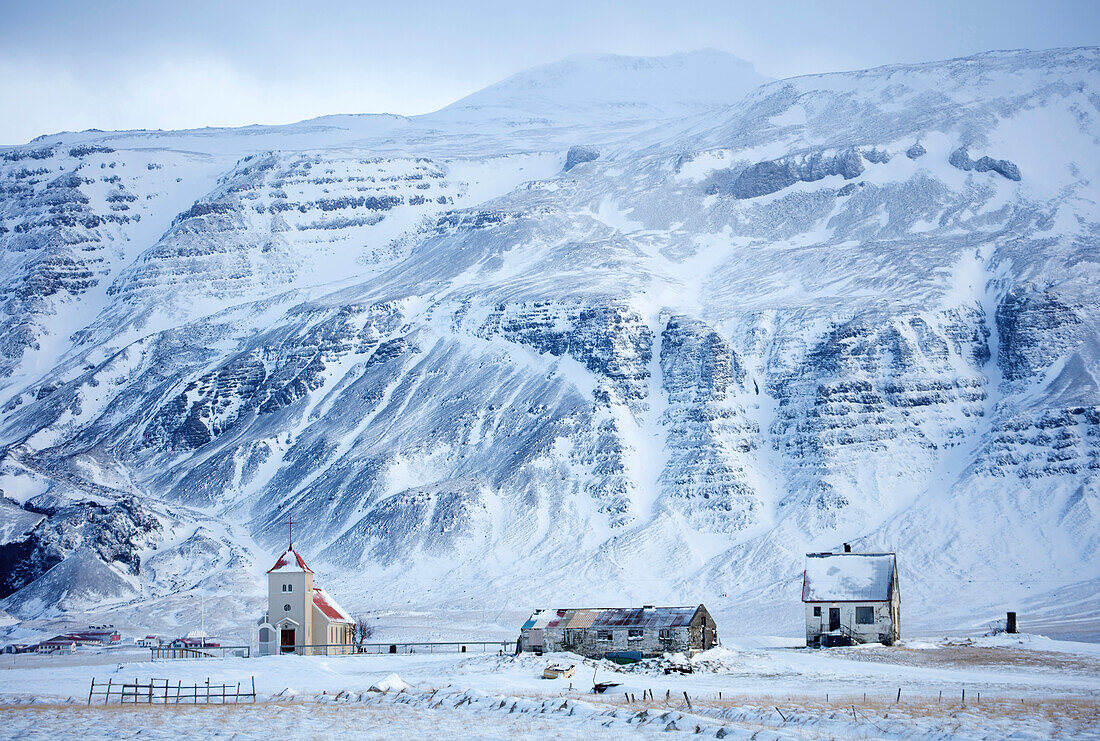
[(851, 598), (302, 618)]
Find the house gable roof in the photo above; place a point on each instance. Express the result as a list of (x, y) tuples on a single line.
[(848, 577), (329, 607), (290, 561)]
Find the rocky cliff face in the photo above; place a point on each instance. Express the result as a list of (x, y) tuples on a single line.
[(650, 358)]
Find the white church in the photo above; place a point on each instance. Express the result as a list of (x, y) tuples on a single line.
[(301, 618)]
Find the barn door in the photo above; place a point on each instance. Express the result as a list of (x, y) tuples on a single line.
[(834, 618)]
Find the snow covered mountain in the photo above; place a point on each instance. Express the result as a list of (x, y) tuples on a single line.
[(614, 330)]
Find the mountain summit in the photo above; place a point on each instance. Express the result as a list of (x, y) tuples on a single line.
[(675, 85)]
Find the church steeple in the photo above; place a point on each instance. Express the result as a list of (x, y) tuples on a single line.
[(291, 560)]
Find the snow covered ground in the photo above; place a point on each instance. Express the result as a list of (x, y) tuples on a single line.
[(1016, 687)]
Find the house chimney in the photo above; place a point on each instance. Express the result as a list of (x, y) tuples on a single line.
[(847, 548)]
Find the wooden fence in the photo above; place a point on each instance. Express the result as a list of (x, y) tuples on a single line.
[(164, 692)]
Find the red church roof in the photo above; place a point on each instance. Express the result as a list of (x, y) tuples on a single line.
[(329, 607), (290, 561)]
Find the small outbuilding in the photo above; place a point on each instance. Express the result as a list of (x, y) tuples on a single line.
[(851, 598), (619, 632)]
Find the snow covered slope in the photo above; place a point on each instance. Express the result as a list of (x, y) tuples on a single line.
[(609, 331)]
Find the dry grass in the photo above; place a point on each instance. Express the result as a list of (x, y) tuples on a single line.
[(265, 721), (968, 657), (1064, 716), (1057, 717)]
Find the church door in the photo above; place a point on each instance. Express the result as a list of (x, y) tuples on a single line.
[(287, 640)]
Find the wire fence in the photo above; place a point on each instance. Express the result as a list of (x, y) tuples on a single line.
[(428, 647), (199, 652)]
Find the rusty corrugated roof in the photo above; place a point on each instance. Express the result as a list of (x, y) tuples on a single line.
[(645, 617), (613, 617), (583, 618), (559, 618)]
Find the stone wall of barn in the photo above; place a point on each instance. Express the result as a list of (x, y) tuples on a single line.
[(588, 642)]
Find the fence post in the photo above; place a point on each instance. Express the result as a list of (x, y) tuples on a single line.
[(90, 691), (253, 688), (107, 694)]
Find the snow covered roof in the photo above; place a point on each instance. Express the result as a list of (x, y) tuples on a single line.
[(290, 561), (539, 619), (612, 617), (329, 607), (848, 577)]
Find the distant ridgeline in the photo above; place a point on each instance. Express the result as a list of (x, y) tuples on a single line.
[(612, 331)]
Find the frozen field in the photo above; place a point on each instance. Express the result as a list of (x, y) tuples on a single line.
[(1020, 688)]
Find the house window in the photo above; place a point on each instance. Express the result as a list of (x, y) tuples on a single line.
[(603, 635), (665, 634), (817, 612), (634, 634), (865, 615)]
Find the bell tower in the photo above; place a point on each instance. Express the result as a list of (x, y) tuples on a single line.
[(290, 601)]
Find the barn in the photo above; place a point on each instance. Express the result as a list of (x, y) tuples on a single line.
[(851, 598), (619, 632)]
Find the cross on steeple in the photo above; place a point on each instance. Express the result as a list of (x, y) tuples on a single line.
[(290, 524)]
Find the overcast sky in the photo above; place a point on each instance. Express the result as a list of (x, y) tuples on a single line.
[(104, 64)]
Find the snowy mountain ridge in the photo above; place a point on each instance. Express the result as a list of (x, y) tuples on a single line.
[(510, 355)]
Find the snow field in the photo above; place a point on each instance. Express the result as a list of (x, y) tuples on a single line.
[(476, 715), (1012, 691)]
